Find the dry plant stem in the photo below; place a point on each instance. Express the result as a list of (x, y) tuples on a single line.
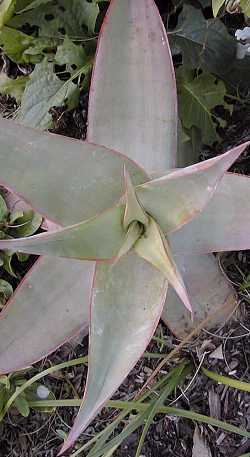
[(191, 382), (178, 348)]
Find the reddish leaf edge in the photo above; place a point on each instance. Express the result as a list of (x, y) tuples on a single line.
[(5, 311), (210, 251), (8, 244), (98, 51), (70, 141), (185, 171), (70, 441)]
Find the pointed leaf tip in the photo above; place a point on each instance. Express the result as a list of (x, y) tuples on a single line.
[(134, 68), (178, 197), (65, 180), (98, 238), (121, 323), (154, 248)]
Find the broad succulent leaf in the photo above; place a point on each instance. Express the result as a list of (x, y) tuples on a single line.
[(134, 82), (99, 238), (153, 247), (141, 119), (127, 302), (66, 180), (176, 198), (225, 223), (208, 290), (49, 307)]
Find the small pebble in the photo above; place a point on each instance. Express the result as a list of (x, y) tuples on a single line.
[(42, 392)]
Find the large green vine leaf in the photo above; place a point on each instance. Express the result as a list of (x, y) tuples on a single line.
[(24, 5), (13, 87), (203, 43), (197, 97), (43, 91), (206, 44), (23, 48), (77, 18), (70, 54)]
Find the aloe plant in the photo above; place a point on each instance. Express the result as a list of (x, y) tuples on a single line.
[(132, 235)]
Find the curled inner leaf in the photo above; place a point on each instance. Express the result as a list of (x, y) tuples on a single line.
[(153, 247), (134, 232), (133, 210)]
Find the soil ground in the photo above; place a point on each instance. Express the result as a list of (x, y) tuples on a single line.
[(39, 435)]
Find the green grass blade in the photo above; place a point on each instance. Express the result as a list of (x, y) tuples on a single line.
[(197, 417), (117, 440), (61, 366), (178, 376), (240, 385), (101, 438), (137, 405), (104, 435)]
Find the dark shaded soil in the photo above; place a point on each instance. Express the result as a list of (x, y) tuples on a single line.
[(40, 435)]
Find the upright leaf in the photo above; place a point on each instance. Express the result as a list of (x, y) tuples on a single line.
[(135, 85)]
